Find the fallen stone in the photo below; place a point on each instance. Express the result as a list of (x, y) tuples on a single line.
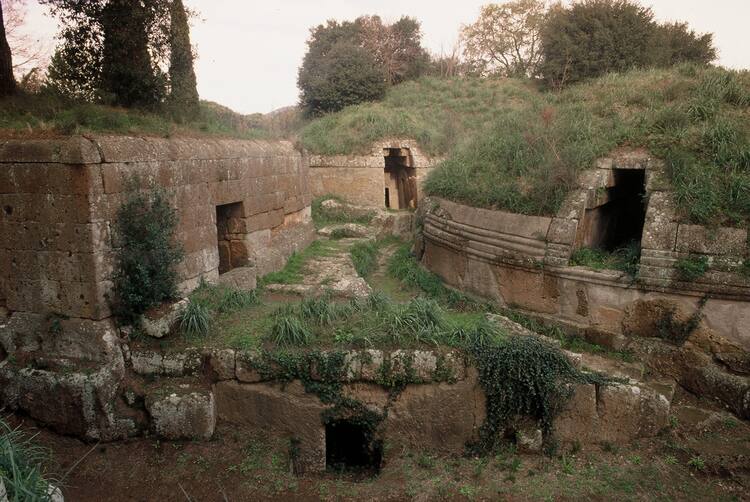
[(240, 278), (182, 413), (159, 322)]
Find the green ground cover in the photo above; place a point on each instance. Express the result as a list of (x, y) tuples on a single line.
[(511, 146)]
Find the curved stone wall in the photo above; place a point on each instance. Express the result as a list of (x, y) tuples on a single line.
[(522, 261)]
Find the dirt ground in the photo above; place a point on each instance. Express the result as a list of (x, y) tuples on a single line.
[(705, 455)]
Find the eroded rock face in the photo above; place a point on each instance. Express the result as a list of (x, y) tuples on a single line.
[(182, 413), (440, 417), (286, 411), (615, 413)]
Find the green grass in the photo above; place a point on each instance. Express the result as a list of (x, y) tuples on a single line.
[(624, 259), (365, 257), (692, 267), (511, 146), (292, 273), (22, 466), (30, 114), (323, 217)]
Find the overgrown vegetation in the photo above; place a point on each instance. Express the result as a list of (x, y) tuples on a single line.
[(340, 212), (365, 257), (209, 303), (147, 253), (624, 259), (29, 114), (510, 146), (524, 376), (692, 267), (22, 466), (292, 272)]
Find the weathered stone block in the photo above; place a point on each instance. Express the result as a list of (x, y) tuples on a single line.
[(182, 413), (159, 322)]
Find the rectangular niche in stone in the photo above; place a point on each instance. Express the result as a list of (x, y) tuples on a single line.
[(230, 231)]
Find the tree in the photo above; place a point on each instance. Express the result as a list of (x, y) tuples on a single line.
[(396, 47), (128, 77), (184, 92), (504, 40), (29, 55), (337, 71), (7, 80), (594, 37), (676, 43), (103, 42)]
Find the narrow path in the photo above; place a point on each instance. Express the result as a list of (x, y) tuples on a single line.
[(330, 272)]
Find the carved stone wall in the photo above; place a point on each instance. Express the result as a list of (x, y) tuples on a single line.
[(59, 198), (361, 179)]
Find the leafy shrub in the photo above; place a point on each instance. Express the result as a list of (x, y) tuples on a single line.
[(691, 268), (146, 255), (194, 319), (21, 466), (594, 37)]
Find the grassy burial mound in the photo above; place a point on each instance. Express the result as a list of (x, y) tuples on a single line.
[(511, 146)]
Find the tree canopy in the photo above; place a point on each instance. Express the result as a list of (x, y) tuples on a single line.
[(504, 39), (351, 62)]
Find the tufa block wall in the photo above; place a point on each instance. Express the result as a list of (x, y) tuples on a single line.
[(59, 198), (360, 179)]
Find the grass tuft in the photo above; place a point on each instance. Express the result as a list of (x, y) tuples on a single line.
[(22, 466), (195, 319)]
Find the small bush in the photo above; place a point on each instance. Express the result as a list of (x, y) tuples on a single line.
[(691, 268), (194, 319), (22, 466), (147, 254)]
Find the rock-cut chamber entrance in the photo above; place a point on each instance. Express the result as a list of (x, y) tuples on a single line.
[(231, 237), (618, 218), (400, 179), (350, 447)]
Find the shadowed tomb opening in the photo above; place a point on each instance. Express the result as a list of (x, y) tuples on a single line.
[(617, 219), (231, 237), (350, 447)]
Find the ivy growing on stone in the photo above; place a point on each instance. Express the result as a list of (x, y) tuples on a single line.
[(523, 376)]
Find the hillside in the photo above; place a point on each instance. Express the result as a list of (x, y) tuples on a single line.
[(511, 146)]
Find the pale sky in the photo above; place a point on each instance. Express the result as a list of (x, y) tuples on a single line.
[(249, 51)]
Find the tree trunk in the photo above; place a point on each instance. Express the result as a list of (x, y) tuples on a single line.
[(7, 81)]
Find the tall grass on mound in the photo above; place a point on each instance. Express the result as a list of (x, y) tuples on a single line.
[(365, 257), (510, 146), (26, 114), (438, 113), (22, 466)]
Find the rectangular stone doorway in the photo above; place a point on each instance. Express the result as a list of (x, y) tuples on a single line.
[(230, 233), (400, 179), (618, 218)]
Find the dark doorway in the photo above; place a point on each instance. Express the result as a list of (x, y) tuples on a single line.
[(400, 179), (618, 219), (350, 447), (231, 237)]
